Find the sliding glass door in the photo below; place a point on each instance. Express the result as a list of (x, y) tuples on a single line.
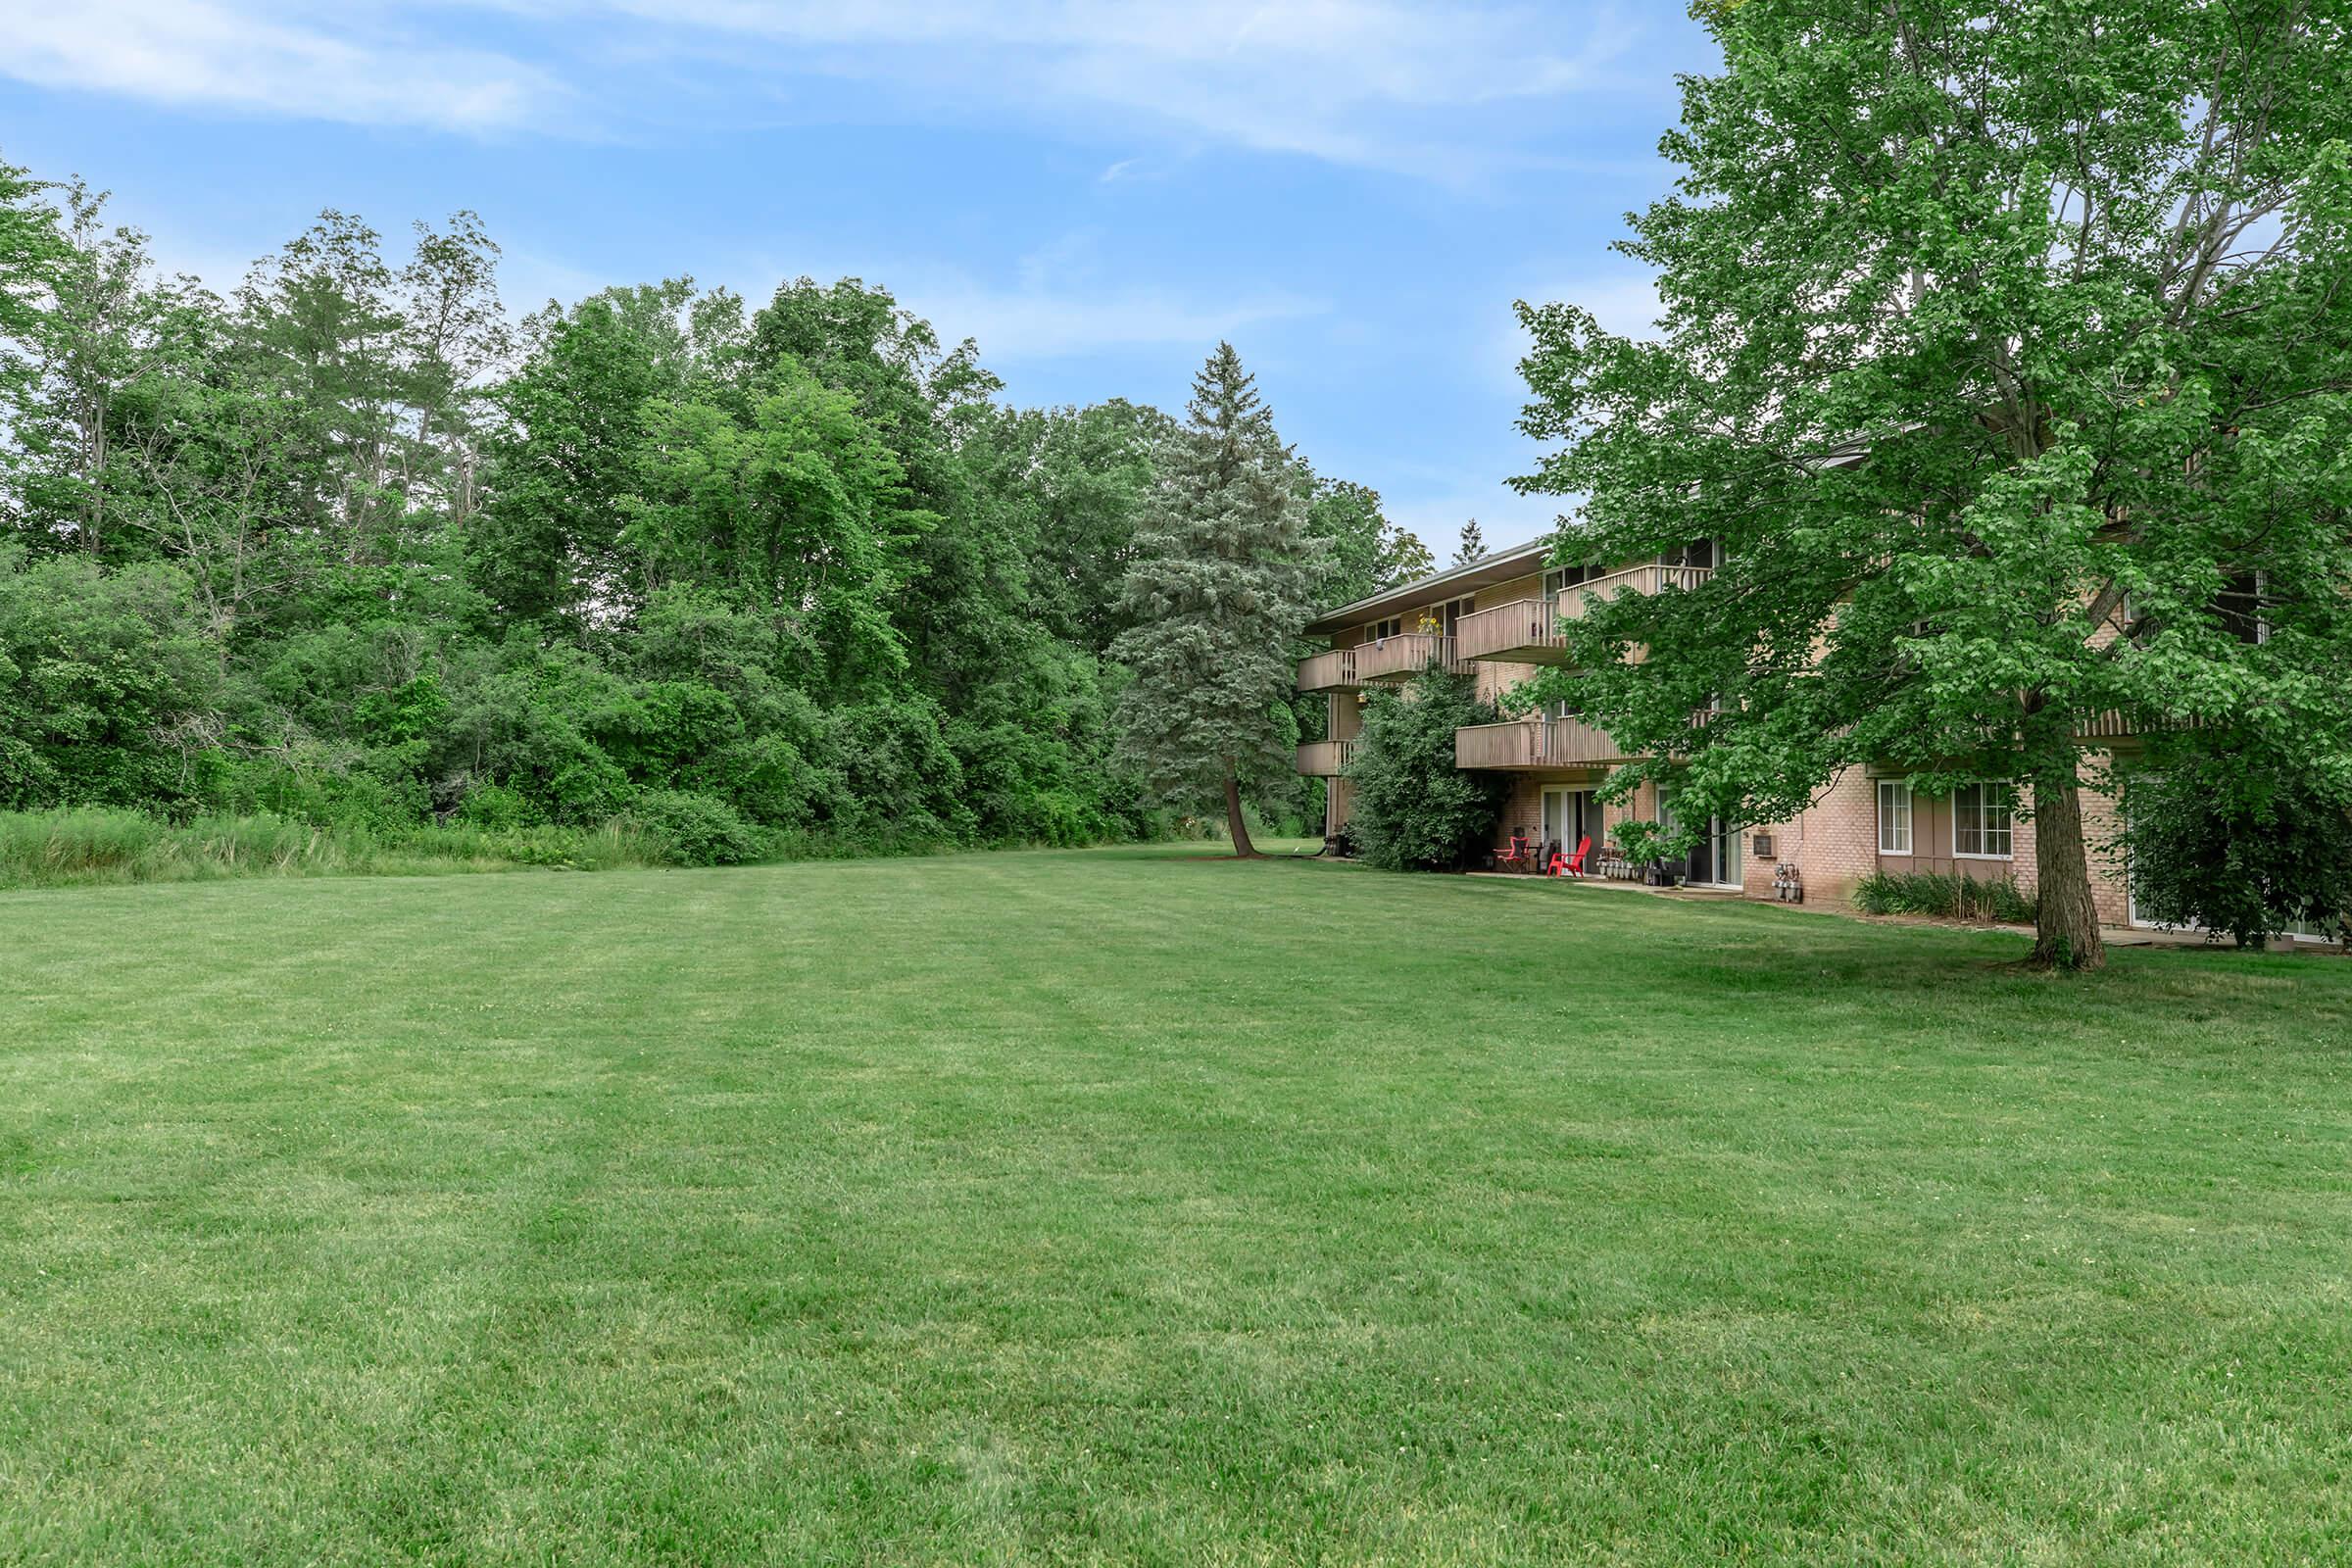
[(1714, 860), (1570, 816)]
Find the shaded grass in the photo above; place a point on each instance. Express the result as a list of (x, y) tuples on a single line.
[(1126, 1207)]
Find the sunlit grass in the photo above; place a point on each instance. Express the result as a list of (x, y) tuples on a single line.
[(1136, 1205)]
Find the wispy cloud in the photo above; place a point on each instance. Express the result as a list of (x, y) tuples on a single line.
[(1425, 89), (1441, 91), (353, 65)]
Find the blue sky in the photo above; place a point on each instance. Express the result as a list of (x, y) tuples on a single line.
[(1354, 192)]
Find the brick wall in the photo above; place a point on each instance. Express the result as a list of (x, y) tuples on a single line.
[(1493, 679)]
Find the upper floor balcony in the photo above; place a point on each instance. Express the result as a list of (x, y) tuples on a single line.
[(1527, 631), (1524, 632), (1404, 655), (1326, 758), (1649, 578), (1333, 670), (1530, 743)]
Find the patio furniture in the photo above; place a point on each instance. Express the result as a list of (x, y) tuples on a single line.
[(1575, 864)]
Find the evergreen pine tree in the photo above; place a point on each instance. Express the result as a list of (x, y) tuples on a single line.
[(1221, 584), (1473, 545)]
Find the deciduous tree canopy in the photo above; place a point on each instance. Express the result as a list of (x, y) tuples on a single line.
[(348, 544), (2007, 359)]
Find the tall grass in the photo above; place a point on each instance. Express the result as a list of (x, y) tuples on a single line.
[(82, 845), (1947, 894)]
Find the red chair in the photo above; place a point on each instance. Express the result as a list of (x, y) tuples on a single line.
[(1518, 855), (1576, 862)]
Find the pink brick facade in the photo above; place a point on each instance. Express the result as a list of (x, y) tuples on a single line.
[(1832, 845), (1835, 842)]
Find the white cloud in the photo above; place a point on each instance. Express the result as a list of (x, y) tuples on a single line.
[(1421, 88), (1446, 92), (247, 58)]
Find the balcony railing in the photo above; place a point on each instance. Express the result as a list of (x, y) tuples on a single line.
[(1525, 631), (1536, 743), (1326, 758), (1646, 579), (2114, 726), (1405, 655), (1327, 672)]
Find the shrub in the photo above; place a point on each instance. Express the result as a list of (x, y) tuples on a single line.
[(695, 829), (1947, 894), (2232, 843), (1414, 810), (494, 807)]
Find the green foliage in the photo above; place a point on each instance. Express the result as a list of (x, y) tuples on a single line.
[(93, 844), (108, 686), (1222, 581), (1471, 546), (1951, 895), (695, 829), (1363, 552), (2008, 405), (343, 549), (1414, 810), (2217, 840)]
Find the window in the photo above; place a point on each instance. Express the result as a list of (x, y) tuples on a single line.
[(2239, 606), (1383, 628), (1560, 577), (1894, 817), (1980, 821)]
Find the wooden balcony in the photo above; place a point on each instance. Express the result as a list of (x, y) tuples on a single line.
[(1525, 631), (1647, 579), (2114, 726), (1329, 672), (1326, 758), (1530, 743), (1404, 655)]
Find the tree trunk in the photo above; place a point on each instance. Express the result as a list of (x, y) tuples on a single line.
[(1243, 849), (2066, 926)]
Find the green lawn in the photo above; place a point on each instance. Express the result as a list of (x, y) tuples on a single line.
[(1130, 1205)]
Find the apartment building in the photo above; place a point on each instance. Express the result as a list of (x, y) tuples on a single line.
[(1498, 619)]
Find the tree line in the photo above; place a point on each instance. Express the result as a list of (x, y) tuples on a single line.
[(351, 543)]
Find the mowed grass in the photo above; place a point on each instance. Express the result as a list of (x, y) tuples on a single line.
[(1118, 1207)]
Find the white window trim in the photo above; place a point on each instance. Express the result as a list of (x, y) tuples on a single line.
[(1910, 818), (1959, 854)]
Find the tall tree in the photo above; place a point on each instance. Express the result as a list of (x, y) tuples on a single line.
[(1472, 545), (328, 316), (1992, 357), (30, 251), (1365, 552), (1219, 589)]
